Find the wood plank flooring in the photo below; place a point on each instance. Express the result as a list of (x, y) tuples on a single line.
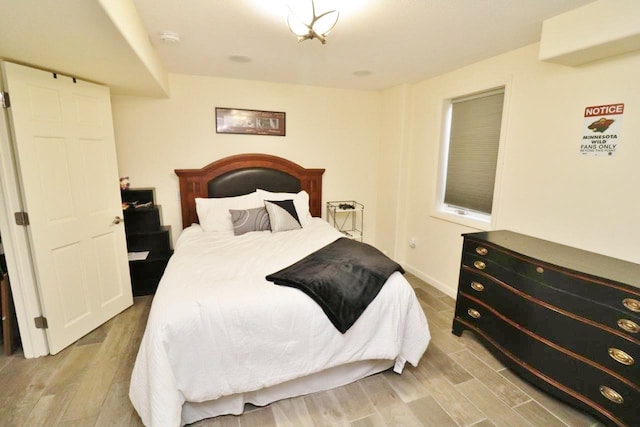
[(457, 383)]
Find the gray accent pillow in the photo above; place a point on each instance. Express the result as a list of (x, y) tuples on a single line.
[(282, 215), (247, 220)]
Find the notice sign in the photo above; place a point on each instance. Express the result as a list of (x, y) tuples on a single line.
[(601, 129)]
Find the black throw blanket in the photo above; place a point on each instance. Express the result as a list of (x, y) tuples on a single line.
[(342, 277)]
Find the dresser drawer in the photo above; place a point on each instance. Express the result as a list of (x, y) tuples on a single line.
[(619, 321), (138, 220), (565, 376), (617, 318), (606, 292), (609, 349)]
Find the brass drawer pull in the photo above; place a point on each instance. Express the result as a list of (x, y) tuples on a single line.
[(477, 286), (632, 304), (479, 265), (621, 356), (539, 270), (611, 394), (482, 251), (473, 313), (629, 326)]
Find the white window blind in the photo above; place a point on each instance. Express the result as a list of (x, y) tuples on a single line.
[(473, 151)]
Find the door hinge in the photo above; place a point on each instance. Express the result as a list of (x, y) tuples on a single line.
[(41, 322), (22, 218), (4, 100)]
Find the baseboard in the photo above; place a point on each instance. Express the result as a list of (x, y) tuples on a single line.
[(452, 292)]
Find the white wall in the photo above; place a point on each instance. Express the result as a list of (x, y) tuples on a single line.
[(335, 129), (547, 189)]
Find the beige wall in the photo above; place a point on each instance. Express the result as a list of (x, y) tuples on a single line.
[(547, 189), (382, 149), (338, 130), (390, 164)]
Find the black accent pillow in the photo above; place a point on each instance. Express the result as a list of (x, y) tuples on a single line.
[(282, 215)]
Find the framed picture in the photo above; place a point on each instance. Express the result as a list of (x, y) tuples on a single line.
[(250, 122)]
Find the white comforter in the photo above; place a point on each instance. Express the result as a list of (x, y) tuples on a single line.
[(217, 327)]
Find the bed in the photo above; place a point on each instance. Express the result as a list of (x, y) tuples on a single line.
[(219, 335)]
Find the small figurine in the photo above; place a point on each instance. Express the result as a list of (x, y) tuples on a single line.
[(124, 183)]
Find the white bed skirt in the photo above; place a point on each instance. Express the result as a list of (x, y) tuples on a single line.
[(325, 380)]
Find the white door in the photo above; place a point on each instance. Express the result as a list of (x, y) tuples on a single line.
[(65, 148)]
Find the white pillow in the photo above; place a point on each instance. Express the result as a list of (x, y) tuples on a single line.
[(213, 214), (300, 201)]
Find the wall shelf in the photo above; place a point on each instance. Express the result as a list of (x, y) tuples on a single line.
[(145, 235)]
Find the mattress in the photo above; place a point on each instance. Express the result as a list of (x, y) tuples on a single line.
[(218, 331)]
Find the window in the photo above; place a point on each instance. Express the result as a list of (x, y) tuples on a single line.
[(471, 143)]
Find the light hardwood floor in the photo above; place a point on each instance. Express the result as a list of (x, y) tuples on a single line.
[(457, 383)]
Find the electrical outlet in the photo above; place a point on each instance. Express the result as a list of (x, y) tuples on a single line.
[(413, 242)]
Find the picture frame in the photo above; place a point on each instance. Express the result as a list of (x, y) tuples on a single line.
[(250, 122)]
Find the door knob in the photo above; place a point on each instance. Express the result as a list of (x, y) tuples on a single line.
[(116, 220)]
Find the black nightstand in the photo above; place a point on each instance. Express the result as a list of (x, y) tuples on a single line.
[(145, 233)]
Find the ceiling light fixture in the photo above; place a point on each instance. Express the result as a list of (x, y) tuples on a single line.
[(304, 23)]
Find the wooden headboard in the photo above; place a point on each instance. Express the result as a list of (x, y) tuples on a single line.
[(196, 182)]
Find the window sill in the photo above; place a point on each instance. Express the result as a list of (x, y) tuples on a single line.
[(478, 222)]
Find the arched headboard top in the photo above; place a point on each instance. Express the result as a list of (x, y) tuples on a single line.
[(196, 182)]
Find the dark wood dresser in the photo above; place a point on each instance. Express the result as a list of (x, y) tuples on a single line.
[(565, 319)]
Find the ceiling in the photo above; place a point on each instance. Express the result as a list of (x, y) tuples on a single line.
[(390, 41)]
